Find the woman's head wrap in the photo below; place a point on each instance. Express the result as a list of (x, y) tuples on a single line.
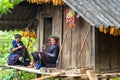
[(17, 36), (55, 37)]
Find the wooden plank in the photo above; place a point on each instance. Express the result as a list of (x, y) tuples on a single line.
[(104, 51), (85, 59), (83, 43), (107, 57), (14, 22), (66, 56), (57, 22), (75, 43), (115, 60), (97, 55), (68, 73), (60, 52), (38, 31), (32, 70), (50, 76), (91, 74), (93, 46)]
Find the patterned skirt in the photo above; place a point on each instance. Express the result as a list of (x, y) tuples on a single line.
[(13, 58)]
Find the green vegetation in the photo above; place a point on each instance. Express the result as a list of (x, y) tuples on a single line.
[(6, 38), (115, 79), (11, 74), (6, 5)]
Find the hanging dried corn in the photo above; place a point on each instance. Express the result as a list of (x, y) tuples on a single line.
[(106, 30), (55, 2), (115, 32), (111, 30), (28, 33), (101, 29), (33, 34), (118, 31)]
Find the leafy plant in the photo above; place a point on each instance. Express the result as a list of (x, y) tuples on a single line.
[(8, 74), (6, 5), (115, 79)]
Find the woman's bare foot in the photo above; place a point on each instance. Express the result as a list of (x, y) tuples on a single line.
[(31, 65)]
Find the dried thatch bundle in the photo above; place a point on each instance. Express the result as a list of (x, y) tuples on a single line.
[(55, 2)]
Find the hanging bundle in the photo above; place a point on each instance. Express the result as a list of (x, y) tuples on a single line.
[(28, 33), (106, 30), (111, 30), (55, 2), (101, 28)]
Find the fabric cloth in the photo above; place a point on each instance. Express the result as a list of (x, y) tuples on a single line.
[(54, 50), (13, 58), (50, 61), (46, 59)]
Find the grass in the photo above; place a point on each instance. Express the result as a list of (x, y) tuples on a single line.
[(115, 79)]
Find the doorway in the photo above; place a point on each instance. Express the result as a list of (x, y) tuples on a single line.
[(47, 29)]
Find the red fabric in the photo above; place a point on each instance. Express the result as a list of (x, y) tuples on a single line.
[(57, 42), (70, 18)]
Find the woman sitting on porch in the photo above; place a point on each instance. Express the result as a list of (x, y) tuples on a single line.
[(48, 59), (16, 55)]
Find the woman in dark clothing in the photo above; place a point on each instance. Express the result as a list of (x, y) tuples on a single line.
[(15, 57), (49, 58), (52, 53)]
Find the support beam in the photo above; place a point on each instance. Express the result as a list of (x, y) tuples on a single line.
[(91, 75), (93, 47), (14, 22)]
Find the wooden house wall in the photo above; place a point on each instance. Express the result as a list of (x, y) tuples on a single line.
[(74, 38), (73, 44), (103, 56), (54, 12), (107, 52)]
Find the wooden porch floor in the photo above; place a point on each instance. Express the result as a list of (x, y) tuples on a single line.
[(74, 73)]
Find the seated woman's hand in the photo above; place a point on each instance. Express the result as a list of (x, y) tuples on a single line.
[(51, 55), (43, 47), (19, 47)]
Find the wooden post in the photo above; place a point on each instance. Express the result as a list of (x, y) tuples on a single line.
[(91, 75), (93, 47), (104, 79), (38, 75)]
